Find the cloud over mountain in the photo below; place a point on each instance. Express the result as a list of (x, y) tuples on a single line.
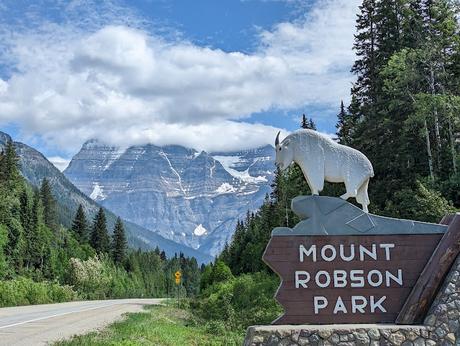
[(125, 84)]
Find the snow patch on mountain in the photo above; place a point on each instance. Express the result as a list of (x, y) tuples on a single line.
[(228, 162), (98, 193), (179, 179), (114, 157), (225, 188), (200, 230)]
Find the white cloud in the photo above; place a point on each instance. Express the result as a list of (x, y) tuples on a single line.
[(128, 86), (59, 162)]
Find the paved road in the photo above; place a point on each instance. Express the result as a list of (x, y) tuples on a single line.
[(44, 324)]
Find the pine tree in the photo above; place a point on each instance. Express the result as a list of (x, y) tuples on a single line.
[(99, 236), (307, 123), (35, 237), (80, 225), (119, 243), (49, 204), (9, 167), (365, 47), (304, 124), (25, 211), (345, 125)]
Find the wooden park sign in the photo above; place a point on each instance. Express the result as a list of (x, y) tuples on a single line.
[(341, 265)]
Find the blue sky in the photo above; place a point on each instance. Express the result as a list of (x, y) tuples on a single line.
[(171, 72)]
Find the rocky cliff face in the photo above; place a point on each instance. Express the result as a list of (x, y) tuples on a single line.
[(190, 197)]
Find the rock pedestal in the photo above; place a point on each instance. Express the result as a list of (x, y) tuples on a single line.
[(441, 326)]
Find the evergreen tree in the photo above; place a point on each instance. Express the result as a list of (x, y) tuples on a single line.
[(220, 272), (49, 204), (345, 124), (9, 167), (304, 124), (80, 225), (307, 123), (11, 162), (99, 236), (11, 189), (364, 67), (35, 236), (119, 243)]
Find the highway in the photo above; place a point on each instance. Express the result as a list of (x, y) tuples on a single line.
[(44, 324)]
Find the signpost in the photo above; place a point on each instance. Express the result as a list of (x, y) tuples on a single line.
[(178, 276)]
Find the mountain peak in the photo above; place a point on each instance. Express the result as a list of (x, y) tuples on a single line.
[(92, 143), (172, 190), (4, 137)]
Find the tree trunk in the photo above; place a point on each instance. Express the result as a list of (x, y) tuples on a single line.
[(436, 119), (428, 149), (452, 146)]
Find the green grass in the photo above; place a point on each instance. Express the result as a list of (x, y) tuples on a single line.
[(159, 325)]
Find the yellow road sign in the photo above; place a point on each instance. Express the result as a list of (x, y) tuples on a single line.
[(178, 275), (177, 281)]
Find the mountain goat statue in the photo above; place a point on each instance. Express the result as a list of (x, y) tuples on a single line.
[(321, 159)]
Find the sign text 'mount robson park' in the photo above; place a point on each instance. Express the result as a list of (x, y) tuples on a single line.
[(347, 278), (354, 278)]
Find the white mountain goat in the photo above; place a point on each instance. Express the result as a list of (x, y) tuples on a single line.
[(321, 159)]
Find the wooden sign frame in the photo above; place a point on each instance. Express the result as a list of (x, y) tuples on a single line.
[(423, 261)]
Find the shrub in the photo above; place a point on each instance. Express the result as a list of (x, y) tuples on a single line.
[(214, 273), (220, 272), (99, 278), (241, 301), (24, 291), (91, 277), (421, 204)]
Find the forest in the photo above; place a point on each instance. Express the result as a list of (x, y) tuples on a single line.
[(41, 261)]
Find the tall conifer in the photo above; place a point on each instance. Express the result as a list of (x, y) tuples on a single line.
[(345, 124), (80, 225), (49, 204), (119, 243), (99, 236), (307, 123)]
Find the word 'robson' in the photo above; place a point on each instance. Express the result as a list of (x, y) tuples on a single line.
[(353, 278)]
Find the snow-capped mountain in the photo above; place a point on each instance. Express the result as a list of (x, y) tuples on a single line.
[(190, 197)]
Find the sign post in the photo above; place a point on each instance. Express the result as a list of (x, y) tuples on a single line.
[(178, 276)]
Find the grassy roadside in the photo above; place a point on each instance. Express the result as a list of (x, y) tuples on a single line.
[(158, 325)]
